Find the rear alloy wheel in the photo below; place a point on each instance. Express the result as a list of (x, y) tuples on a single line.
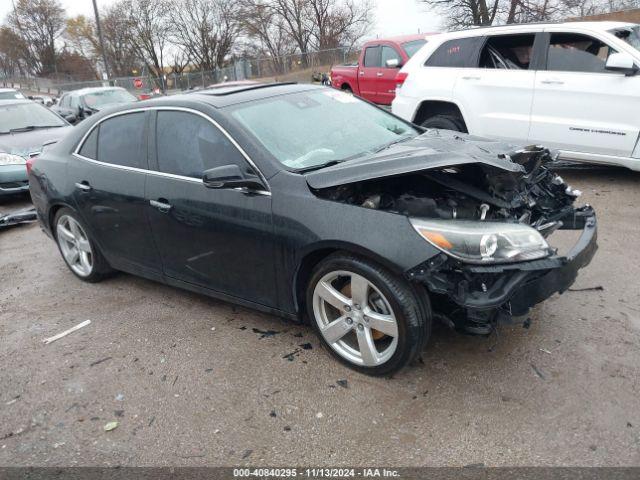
[(369, 319), (78, 251)]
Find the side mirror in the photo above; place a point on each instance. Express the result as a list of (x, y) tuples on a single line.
[(392, 63), (230, 176), (621, 62)]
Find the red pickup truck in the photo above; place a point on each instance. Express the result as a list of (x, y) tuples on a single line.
[(373, 77)]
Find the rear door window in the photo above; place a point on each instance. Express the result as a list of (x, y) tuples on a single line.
[(122, 140), (458, 53), (90, 146), (188, 144), (508, 52), (571, 52), (372, 57), (390, 53)]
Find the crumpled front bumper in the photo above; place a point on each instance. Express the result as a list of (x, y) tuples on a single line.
[(479, 295)]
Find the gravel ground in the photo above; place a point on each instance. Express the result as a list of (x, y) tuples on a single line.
[(195, 381)]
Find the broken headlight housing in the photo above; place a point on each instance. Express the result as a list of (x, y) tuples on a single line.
[(10, 159), (483, 242)]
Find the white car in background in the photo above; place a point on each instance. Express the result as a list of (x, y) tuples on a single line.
[(573, 87)]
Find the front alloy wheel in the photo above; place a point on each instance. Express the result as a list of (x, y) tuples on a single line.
[(355, 319), (369, 319), (74, 245)]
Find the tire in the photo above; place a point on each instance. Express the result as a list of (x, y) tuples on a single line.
[(347, 89), (445, 122), (345, 326), (74, 242)]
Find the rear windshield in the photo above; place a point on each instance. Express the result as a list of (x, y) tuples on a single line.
[(410, 48), (108, 97), (630, 35), (312, 128)]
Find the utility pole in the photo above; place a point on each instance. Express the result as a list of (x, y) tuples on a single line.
[(104, 54)]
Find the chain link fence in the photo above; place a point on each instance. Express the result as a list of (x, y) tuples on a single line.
[(302, 68)]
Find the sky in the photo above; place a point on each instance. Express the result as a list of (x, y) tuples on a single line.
[(392, 17)]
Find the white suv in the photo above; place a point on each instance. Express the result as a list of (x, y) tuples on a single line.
[(571, 87)]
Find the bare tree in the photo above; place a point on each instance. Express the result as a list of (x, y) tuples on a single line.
[(150, 23), (38, 23), (338, 23), (13, 52), (262, 25), (206, 30)]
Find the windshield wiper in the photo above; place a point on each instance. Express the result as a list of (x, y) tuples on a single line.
[(318, 167), (390, 144), (28, 128)]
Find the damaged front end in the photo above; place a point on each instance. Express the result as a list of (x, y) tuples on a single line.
[(489, 214)]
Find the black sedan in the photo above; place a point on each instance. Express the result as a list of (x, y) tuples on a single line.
[(309, 203)]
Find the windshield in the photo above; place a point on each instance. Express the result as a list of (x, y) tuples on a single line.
[(108, 97), (630, 35), (318, 127), (412, 47), (17, 116), (10, 95)]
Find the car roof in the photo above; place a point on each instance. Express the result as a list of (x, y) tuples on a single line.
[(223, 96), (15, 101), (88, 90), (402, 38), (594, 26)]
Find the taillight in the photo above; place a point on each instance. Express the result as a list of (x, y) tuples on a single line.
[(30, 161), (400, 78)]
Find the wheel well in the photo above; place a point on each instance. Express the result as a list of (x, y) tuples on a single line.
[(303, 276), (52, 215), (430, 109), (346, 86)]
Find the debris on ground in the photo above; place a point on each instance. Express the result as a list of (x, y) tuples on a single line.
[(27, 215), (306, 346), (273, 413), (98, 362), (49, 340), (110, 426), (298, 335), (545, 350), (291, 356), (119, 397), (526, 323), (319, 415), (597, 288), (118, 413), (13, 400), (265, 333), (538, 372), (287, 428), (246, 454), (343, 383)]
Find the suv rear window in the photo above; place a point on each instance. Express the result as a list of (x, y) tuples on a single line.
[(458, 53)]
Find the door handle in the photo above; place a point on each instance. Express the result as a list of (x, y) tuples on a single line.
[(84, 186), (552, 82), (379, 74), (361, 73), (161, 204)]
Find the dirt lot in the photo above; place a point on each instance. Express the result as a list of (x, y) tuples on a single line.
[(194, 381)]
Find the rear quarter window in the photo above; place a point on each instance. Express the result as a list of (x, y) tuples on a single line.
[(458, 53), (122, 141)]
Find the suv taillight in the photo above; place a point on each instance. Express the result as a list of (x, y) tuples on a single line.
[(30, 161), (400, 78)]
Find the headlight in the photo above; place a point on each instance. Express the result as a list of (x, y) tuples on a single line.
[(10, 159), (483, 242)]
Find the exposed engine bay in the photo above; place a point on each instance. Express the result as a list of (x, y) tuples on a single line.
[(536, 197), (473, 298)]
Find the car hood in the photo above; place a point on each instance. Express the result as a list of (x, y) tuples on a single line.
[(433, 149), (26, 143)]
